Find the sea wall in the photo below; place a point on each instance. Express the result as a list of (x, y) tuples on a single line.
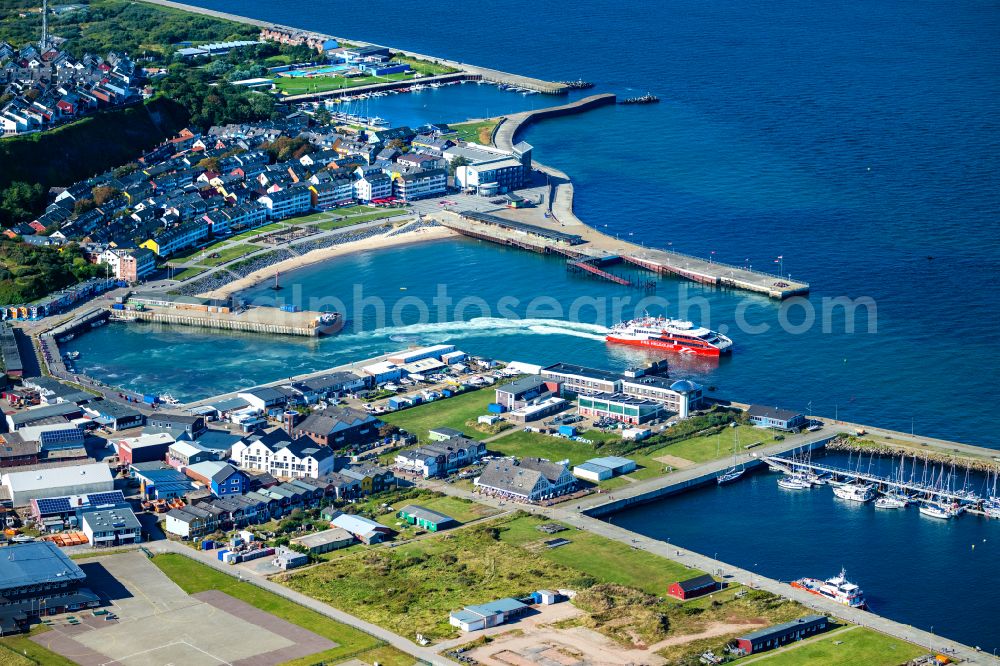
[(673, 488)]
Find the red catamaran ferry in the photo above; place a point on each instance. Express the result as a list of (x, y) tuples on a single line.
[(670, 335)]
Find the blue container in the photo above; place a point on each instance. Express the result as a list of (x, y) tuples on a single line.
[(447, 393), (221, 554), (496, 408), (117, 306), (150, 399), (536, 597), (207, 544), (567, 430)]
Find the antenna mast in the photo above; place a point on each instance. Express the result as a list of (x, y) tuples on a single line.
[(45, 25)]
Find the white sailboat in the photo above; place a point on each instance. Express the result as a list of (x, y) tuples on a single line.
[(736, 471)]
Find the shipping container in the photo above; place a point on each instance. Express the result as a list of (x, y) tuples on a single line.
[(117, 306), (496, 408), (567, 430), (150, 399), (222, 555)]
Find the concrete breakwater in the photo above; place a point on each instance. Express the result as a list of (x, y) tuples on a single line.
[(253, 320), (505, 135)]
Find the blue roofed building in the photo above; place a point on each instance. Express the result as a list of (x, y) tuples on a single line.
[(484, 616), (38, 579), (161, 482)]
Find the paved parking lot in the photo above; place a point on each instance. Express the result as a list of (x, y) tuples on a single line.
[(159, 624)]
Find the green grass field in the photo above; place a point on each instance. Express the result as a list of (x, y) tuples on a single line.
[(460, 509), (304, 85), (857, 645), (194, 577), (480, 132), (449, 412), (700, 449), (607, 561), (414, 586)]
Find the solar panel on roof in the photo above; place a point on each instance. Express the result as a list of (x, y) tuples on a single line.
[(100, 499), (53, 505)]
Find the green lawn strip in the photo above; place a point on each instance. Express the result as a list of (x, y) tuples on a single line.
[(336, 224), (451, 412), (316, 217), (606, 560), (205, 258), (355, 210), (425, 67), (20, 650), (194, 254), (856, 646), (303, 84), (190, 272), (193, 577), (380, 215), (251, 233)]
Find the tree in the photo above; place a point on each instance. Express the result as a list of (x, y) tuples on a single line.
[(83, 205), (209, 164), (18, 202), (322, 117), (459, 161), (104, 193)]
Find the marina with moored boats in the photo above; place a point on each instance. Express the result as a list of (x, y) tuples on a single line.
[(930, 486)]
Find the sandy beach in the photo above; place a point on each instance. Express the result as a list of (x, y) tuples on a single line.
[(376, 243)]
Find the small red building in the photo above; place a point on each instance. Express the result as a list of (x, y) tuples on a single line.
[(693, 587)]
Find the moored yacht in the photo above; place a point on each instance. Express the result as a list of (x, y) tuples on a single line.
[(793, 483), (855, 492), (889, 502), (935, 511)]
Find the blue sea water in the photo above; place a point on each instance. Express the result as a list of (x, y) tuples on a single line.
[(858, 141)]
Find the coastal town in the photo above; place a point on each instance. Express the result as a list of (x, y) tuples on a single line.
[(431, 504)]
